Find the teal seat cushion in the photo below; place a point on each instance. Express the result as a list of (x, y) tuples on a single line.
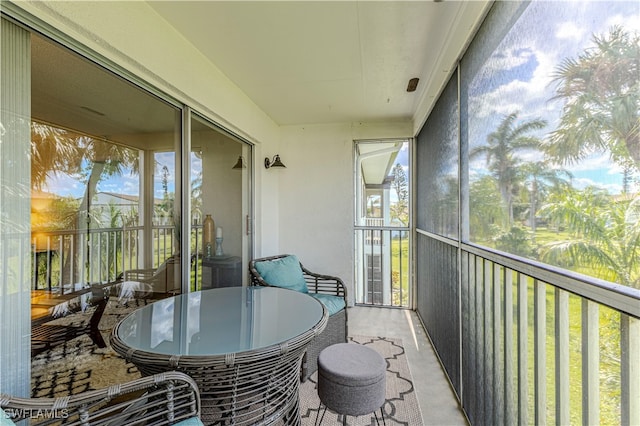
[(334, 304), (5, 420), (284, 272), (192, 421)]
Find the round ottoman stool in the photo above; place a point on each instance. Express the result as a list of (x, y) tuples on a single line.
[(351, 380)]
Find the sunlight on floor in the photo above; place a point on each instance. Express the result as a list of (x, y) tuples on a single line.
[(407, 315)]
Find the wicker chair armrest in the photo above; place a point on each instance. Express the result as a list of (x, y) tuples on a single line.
[(325, 284), (139, 274), (163, 399)]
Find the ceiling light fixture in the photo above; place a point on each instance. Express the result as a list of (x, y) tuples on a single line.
[(413, 83), (273, 163)]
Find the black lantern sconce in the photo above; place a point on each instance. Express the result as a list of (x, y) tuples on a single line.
[(273, 163)]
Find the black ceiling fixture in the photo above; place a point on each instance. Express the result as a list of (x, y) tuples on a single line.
[(413, 83)]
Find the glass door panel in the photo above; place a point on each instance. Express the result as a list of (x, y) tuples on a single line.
[(95, 219), (220, 207)]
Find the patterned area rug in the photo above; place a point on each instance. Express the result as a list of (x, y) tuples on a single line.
[(401, 406), (78, 365)]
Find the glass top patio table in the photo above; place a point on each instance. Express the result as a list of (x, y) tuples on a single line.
[(220, 321), (228, 340)]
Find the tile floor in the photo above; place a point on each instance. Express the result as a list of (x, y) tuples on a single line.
[(437, 401)]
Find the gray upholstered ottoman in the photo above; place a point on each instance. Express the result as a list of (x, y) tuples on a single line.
[(351, 380)]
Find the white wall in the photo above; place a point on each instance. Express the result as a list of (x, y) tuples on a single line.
[(317, 194)]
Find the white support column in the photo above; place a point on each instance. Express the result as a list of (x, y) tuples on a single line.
[(540, 352), (523, 351), (562, 356), (630, 369), (590, 363)]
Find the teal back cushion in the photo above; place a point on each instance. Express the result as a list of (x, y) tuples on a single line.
[(284, 272), (5, 420), (193, 421)]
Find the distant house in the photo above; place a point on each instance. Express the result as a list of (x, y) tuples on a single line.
[(127, 205)]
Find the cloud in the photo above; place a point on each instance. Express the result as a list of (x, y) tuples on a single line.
[(569, 30), (582, 183), (629, 22), (530, 97), (509, 58), (65, 185)]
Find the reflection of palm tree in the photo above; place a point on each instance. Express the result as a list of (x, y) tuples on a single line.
[(601, 238), (196, 196), (53, 150), (602, 93), (500, 151), (103, 159), (56, 150)]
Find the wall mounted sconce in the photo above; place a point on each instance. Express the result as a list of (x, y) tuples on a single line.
[(273, 163), (239, 164)]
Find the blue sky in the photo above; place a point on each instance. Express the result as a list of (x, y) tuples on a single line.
[(521, 75), (128, 183)]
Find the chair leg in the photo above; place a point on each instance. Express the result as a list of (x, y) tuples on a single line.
[(381, 415), (316, 423)]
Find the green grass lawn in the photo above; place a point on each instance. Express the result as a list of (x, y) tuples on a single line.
[(609, 326)]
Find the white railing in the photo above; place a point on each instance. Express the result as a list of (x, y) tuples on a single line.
[(65, 261), (382, 265), (526, 343)]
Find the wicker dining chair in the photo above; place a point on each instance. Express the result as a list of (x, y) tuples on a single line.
[(160, 280), (326, 288), (170, 398)]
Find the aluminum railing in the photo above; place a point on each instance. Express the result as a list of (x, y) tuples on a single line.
[(526, 343), (382, 271)]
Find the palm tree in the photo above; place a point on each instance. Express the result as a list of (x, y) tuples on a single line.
[(484, 208), (500, 151), (601, 90), (539, 177), (602, 239)]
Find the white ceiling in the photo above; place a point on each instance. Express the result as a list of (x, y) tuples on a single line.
[(305, 62), (301, 62)]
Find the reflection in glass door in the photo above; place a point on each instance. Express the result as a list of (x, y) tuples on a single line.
[(220, 207), (93, 211)]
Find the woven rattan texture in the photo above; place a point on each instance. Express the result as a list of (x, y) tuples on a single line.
[(162, 399)]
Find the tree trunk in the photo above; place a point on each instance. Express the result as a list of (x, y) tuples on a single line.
[(83, 251)]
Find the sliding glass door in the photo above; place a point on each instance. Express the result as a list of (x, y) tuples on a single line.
[(99, 144), (220, 206)]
